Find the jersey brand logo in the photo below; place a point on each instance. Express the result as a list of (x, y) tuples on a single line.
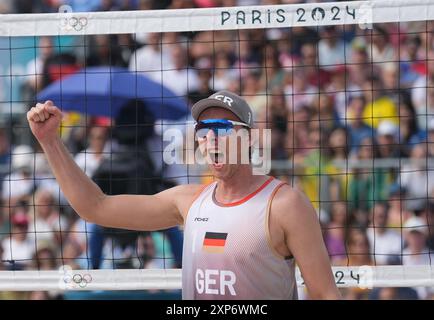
[(201, 219)]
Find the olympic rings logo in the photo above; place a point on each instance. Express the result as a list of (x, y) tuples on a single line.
[(69, 22), (74, 23), (78, 279), (72, 279)]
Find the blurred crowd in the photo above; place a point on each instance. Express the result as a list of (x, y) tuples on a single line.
[(352, 118)]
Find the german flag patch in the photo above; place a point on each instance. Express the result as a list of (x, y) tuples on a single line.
[(214, 242)]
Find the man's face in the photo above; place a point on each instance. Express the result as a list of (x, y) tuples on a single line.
[(218, 150)]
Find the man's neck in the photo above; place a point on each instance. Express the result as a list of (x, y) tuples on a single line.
[(238, 186)]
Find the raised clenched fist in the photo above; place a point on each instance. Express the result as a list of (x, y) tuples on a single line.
[(44, 120)]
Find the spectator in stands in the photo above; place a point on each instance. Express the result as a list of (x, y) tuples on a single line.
[(315, 75), (317, 169), (422, 94), (389, 74), (323, 107), (275, 117), (411, 61), (360, 68), (358, 254), (332, 51), (223, 72), (298, 92), (8, 295), (272, 72), (358, 130), (417, 178), (35, 67), (297, 141), (334, 231), (388, 139), (253, 91), (89, 160), (417, 252), (342, 90), (416, 233), (379, 107), (19, 183), (398, 212), (104, 51), (409, 133), (427, 40), (246, 58), (18, 249), (150, 58), (428, 215), (181, 78), (47, 224), (380, 48), (339, 144), (75, 248), (366, 185), (385, 242), (203, 67), (147, 253), (45, 256), (59, 65)]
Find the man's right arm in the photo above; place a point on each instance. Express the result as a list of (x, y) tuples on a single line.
[(134, 212)]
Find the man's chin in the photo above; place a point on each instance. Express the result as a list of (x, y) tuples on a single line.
[(218, 166), (219, 170)]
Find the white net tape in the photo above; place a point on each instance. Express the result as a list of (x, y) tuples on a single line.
[(364, 277), (229, 18)]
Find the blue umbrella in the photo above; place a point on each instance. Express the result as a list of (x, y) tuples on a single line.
[(102, 91)]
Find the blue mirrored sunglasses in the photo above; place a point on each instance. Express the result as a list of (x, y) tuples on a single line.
[(220, 127)]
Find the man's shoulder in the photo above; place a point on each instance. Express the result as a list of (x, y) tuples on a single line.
[(184, 195), (292, 210), (287, 192), (185, 191), (288, 200)]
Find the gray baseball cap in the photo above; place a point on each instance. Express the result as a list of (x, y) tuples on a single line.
[(226, 100)]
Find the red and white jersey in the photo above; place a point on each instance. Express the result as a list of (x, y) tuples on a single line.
[(227, 249)]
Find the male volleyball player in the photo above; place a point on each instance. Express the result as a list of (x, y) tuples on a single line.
[(242, 233)]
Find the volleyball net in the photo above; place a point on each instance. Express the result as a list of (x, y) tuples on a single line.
[(346, 89)]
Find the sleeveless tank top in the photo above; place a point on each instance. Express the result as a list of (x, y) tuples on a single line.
[(227, 250)]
